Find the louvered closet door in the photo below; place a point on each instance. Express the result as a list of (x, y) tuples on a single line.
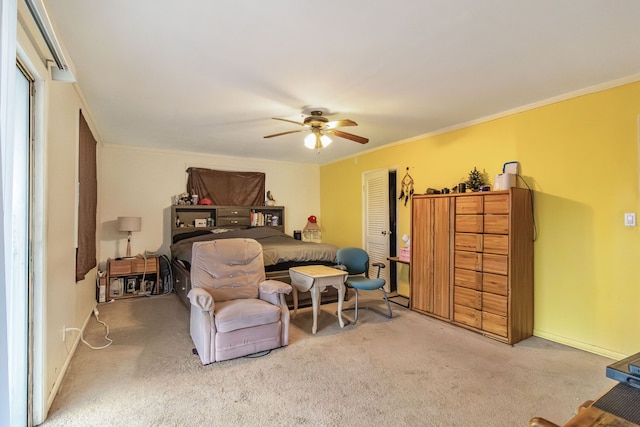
[(376, 220)]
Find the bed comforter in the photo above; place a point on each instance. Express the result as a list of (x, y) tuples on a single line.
[(277, 247)]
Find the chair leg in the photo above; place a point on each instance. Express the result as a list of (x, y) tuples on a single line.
[(355, 318), (387, 300), (355, 306)]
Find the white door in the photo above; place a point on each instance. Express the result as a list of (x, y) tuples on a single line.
[(375, 201)]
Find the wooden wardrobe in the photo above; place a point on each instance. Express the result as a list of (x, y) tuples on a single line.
[(472, 261)]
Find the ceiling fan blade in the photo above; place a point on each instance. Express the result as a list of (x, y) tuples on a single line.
[(289, 121), (284, 133), (352, 137), (339, 123)]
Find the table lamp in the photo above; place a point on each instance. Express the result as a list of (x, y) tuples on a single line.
[(129, 224), (311, 232)]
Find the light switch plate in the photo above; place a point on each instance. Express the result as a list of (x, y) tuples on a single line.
[(630, 219)]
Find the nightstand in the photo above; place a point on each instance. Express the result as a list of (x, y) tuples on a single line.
[(132, 277)]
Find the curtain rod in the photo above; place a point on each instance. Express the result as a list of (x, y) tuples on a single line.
[(43, 23)]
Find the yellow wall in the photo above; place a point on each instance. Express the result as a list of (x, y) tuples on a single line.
[(581, 158)]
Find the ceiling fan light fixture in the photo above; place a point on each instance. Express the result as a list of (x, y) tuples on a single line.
[(310, 141), (319, 126), (316, 140)]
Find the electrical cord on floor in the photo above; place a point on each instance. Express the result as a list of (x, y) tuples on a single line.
[(106, 336), (256, 355)]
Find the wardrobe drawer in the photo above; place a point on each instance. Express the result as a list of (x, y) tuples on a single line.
[(496, 204), (492, 263), (468, 242), (496, 224), (494, 324), (233, 212), (467, 278), (468, 260), (469, 223), (494, 283), (496, 304), (496, 244), (469, 205), (467, 316), (467, 297)]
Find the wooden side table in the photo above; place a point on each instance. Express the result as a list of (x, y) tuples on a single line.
[(125, 277), (315, 278)]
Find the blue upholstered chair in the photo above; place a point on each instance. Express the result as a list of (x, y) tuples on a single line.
[(356, 262)]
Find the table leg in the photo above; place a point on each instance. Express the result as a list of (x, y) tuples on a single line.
[(340, 289), (315, 302), (295, 301)]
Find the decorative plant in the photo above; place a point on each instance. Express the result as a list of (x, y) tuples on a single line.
[(475, 180)]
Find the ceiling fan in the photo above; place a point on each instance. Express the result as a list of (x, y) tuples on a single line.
[(319, 127)]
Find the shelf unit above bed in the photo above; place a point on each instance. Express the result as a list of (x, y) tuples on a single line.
[(207, 217)]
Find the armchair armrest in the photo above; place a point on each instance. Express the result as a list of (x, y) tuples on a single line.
[(274, 287), (201, 299), (273, 291)]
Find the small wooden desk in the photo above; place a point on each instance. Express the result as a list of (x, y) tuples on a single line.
[(315, 278)]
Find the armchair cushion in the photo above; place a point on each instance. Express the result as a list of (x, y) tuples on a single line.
[(237, 314)]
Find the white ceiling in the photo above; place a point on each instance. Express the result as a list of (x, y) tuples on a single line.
[(208, 76)]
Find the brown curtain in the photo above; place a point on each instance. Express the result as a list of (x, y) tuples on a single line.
[(88, 184), (227, 187)]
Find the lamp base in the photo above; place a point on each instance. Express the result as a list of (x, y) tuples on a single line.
[(129, 246)]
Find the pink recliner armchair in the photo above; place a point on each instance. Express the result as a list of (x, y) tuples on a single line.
[(234, 310)]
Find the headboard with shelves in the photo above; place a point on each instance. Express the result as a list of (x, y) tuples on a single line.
[(185, 217)]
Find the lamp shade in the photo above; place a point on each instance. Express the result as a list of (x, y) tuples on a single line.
[(129, 223), (311, 226)]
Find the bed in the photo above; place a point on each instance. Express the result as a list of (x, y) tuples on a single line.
[(280, 252)]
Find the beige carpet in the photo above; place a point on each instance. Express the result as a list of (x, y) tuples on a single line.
[(411, 370)]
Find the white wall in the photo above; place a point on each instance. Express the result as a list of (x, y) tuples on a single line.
[(59, 301), (67, 303), (140, 182)]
